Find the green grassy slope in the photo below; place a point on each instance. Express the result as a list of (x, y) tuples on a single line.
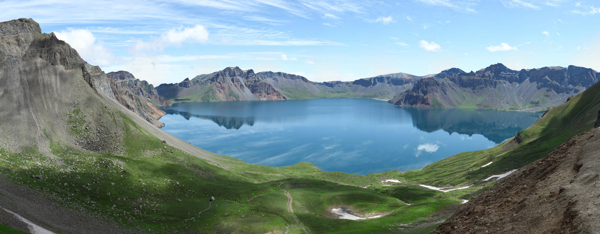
[(558, 125), (298, 94), (153, 186), (8, 230)]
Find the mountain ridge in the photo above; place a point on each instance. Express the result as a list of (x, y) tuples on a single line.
[(498, 87), (233, 84), (138, 96)]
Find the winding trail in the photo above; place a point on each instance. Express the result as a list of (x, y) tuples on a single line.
[(291, 210)]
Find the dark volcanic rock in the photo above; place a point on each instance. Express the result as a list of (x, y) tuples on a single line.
[(138, 96), (556, 194), (498, 87), (597, 121)]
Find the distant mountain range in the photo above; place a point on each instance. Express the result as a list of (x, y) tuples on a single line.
[(494, 87), (498, 87), (235, 84)]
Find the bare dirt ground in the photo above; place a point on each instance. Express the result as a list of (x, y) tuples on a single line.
[(44, 212), (556, 194)]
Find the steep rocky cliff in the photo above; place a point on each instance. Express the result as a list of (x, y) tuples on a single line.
[(47, 90), (234, 84), (556, 194), (138, 96), (230, 84), (498, 87)]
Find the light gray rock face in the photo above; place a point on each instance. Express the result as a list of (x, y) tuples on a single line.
[(48, 92), (498, 87)]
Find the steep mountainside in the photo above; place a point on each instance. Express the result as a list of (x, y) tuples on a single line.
[(138, 96), (498, 87), (75, 160), (234, 84), (230, 84), (556, 194)]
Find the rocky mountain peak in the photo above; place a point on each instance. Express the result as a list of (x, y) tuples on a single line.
[(450, 72), (121, 76), (19, 27)]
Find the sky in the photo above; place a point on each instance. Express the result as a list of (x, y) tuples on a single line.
[(323, 40)]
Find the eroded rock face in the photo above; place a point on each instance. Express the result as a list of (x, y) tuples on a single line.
[(138, 96), (229, 84), (498, 87), (597, 121), (556, 194), (48, 92)]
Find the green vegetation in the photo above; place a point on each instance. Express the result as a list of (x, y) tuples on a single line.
[(558, 125), (153, 186), (76, 122), (294, 94), (8, 230)]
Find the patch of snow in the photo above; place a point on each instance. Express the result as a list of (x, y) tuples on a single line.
[(501, 175), (391, 180), (463, 201), (33, 228), (487, 164), (345, 215), (443, 190)]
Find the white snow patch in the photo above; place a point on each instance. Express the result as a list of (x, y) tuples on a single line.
[(463, 201), (501, 175), (443, 190), (33, 228), (345, 215), (487, 164), (391, 180)]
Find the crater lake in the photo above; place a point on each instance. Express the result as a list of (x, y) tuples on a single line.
[(359, 136)]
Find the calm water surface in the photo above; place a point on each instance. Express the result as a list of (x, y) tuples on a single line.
[(358, 136)]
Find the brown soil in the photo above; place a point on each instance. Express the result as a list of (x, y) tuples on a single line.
[(556, 194)]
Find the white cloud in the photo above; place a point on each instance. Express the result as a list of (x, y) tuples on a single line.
[(401, 43), (590, 10), (330, 16), (501, 47), (179, 35), (456, 5), (284, 57), (175, 36), (438, 3), (546, 33), (408, 18), (385, 20), (429, 148), (519, 3), (310, 62), (88, 47), (430, 46)]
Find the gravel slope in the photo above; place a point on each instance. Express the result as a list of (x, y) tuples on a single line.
[(556, 194)]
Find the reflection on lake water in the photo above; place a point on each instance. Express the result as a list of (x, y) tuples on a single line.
[(350, 135)]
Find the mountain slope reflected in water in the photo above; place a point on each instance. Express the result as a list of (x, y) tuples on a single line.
[(496, 126), (222, 121), (359, 136)]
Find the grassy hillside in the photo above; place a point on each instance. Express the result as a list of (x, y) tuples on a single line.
[(298, 94), (557, 125), (154, 186)]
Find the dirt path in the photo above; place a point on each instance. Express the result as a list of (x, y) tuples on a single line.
[(291, 210)]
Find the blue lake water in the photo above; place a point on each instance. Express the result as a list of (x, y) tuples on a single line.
[(359, 136)]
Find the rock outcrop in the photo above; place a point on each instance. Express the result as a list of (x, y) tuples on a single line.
[(230, 84), (138, 96), (49, 94), (556, 194), (234, 84), (498, 87)]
